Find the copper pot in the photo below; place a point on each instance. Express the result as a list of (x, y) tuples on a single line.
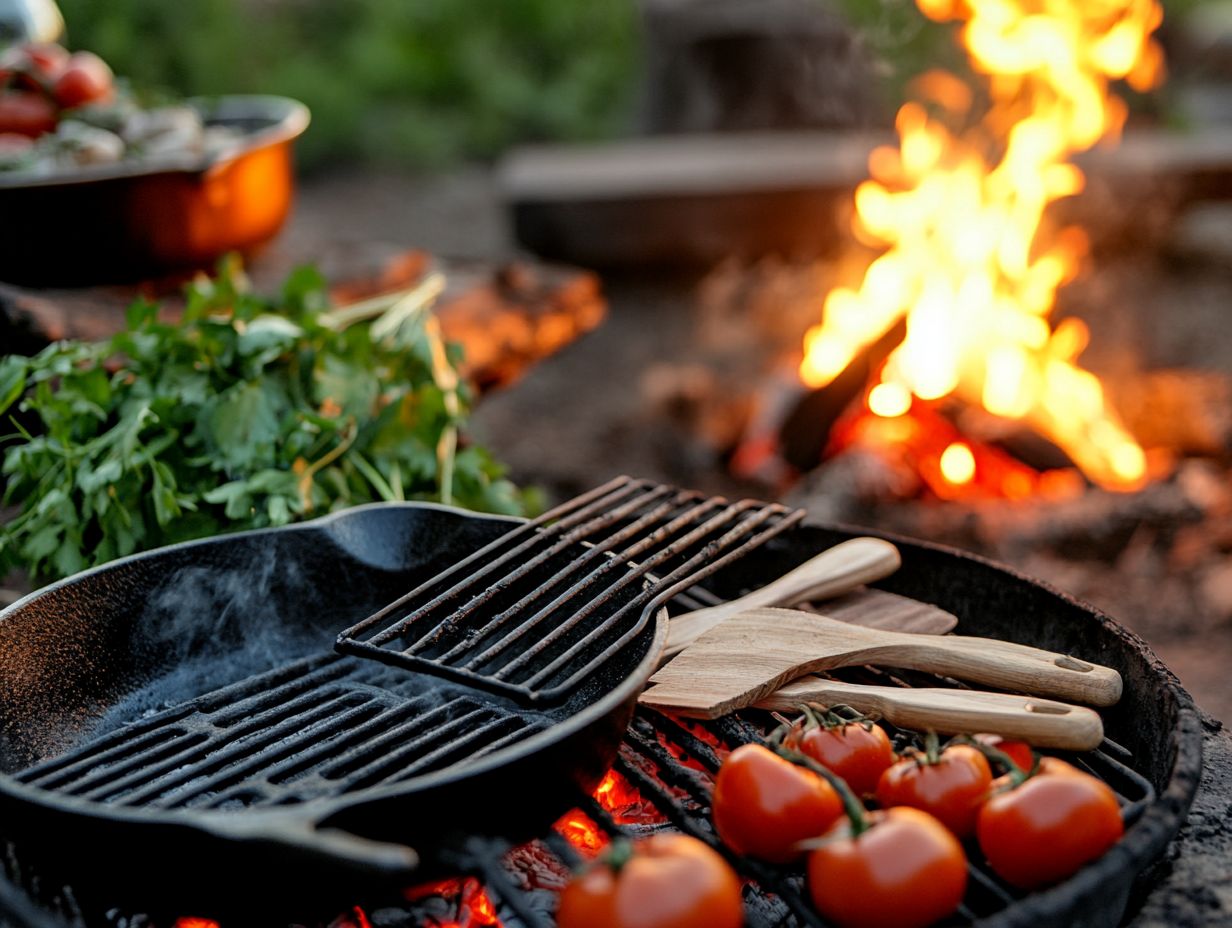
[(134, 220)]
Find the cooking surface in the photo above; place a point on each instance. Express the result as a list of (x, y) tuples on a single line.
[(532, 615), (987, 601), (321, 727)]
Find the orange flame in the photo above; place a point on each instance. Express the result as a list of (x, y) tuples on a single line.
[(957, 216)]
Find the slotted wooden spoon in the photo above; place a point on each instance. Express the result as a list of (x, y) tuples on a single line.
[(1042, 723), (747, 657)]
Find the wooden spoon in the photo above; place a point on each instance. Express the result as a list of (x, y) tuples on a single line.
[(749, 656), (1042, 723), (834, 571)]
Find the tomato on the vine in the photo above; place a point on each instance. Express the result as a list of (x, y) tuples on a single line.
[(1048, 826), (859, 752), (764, 805), (1018, 751), (905, 871), (665, 881), (951, 785)]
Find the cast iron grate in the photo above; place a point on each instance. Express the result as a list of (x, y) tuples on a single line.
[(319, 727), (530, 618), (330, 725)]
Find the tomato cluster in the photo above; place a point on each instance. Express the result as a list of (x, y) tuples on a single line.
[(950, 785), (39, 82), (858, 751), (902, 866)]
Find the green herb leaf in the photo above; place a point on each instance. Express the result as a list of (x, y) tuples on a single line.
[(250, 412)]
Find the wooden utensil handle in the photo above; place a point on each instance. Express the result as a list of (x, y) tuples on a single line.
[(1040, 722), (1001, 664), (834, 571)]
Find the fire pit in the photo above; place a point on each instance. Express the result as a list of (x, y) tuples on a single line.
[(1152, 758)]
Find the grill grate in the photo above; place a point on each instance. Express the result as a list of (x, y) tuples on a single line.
[(672, 768), (320, 727), (219, 752), (529, 617), (670, 764)]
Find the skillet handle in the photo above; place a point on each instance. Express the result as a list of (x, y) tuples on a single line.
[(300, 839)]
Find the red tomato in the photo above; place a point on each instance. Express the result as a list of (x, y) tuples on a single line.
[(670, 881), (1049, 826), (86, 79), (764, 805), (952, 789), (1018, 751), (857, 754), (906, 871), (28, 114)]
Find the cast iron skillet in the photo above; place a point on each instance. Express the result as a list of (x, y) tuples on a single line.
[(100, 649)]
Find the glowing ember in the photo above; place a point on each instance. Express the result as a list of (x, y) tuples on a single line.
[(956, 216), (958, 463), (356, 918), (194, 923), (951, 466), (471, 905), (619, 799), (580, 830)]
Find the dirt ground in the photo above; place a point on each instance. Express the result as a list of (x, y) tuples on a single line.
[(580, 417)]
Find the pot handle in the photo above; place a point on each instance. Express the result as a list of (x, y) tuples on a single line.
[(303, 839)]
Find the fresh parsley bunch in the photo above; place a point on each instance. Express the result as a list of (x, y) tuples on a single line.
[(249, 412)]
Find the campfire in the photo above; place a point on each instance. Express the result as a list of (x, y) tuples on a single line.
[(955, 305)]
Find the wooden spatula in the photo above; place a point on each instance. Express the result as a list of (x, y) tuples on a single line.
[(749, 656), (833, 572), (879, 609), (1040, 722)]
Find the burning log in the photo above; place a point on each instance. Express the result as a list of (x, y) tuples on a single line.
[(807, 430)]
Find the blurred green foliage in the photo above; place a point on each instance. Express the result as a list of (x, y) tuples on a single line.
[(424, 82), (388, 81)]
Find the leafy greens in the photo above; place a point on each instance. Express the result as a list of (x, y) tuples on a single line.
[(248, 412)]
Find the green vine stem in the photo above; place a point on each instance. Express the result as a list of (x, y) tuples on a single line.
[(1016, 774)]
